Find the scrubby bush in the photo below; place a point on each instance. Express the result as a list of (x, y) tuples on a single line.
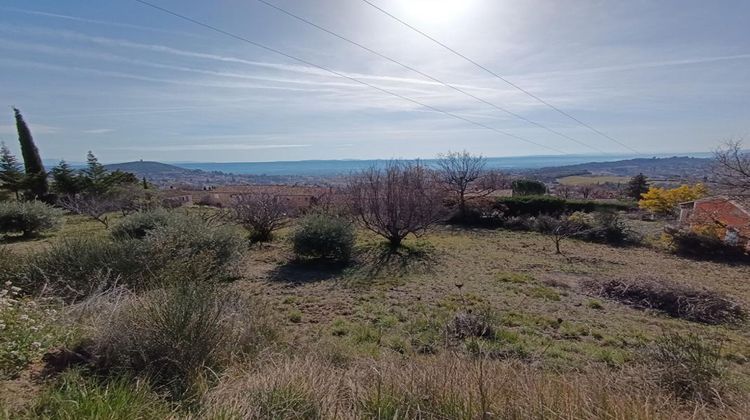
[(678, 301), (705, 246), (523, 187), (181, 333), (320, 236), (28, 217), (73, 268), (553, 206), (518, 223), (186, 237), (608, 227), (138, 225), (261, 214), (689, 366)]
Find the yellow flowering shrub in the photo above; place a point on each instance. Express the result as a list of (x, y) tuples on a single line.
[(664, 201)]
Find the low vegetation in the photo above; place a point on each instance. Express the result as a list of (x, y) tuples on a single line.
[(28, 218), (320, 236), (171, 314), (678, 301)]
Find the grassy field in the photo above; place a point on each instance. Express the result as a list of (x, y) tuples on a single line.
[(374, 339), (593, 179)]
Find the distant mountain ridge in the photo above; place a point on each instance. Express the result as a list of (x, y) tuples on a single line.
[(675, 166), (149, 168)]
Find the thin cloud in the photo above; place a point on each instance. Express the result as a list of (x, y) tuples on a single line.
[(111, 42), (643, 65), (100, 131), (96, 21), (210, 147), (35, 129)]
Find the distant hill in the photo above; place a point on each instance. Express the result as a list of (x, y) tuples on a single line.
[(672, 167), (149, 168)]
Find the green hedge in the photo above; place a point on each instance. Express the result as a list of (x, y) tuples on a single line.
[(535, 205)]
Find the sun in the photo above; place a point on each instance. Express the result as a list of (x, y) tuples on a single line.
[(435, 11)]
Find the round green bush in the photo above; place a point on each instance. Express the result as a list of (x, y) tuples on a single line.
[(324, 237), (138, 225), (28, 217)]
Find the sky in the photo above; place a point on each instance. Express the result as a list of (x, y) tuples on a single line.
[(130, 82)]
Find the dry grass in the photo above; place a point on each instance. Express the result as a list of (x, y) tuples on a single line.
[(441, 387)]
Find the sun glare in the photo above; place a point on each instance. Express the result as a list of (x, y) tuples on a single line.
[(435, 11)]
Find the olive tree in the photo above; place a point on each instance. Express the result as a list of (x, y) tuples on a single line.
[(396, 200)]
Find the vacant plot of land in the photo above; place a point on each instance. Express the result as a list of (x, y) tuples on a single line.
[(593, 179), (447, 297)]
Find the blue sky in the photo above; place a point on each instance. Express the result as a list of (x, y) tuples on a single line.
[(129, 82)]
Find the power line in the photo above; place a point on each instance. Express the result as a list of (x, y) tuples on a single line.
[(336, 73), (537, 98), (434, 79)]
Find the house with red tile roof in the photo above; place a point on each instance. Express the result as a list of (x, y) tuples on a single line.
[(730, 216)]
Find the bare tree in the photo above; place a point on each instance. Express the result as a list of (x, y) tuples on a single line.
[(395, 201), (585, 190), (563, 229), (732, 167), (563, 191), (94, 207), (464, 176), (260, 213)]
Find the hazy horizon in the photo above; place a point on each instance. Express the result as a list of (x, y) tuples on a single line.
[(130, 82)]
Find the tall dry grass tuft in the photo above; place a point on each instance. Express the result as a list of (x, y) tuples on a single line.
[(446, 386), (181, 333)]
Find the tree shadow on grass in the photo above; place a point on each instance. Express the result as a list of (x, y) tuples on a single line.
[(371, 261), (298, 271), (380, 259), (16, 238)]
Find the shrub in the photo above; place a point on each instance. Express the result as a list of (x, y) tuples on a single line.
[(28, 217), (553, 206), (180, 333), (261, 214), (706, 247), (545, 224), (528, 187), (138, 225), (73, 268), (703, 306), (518, 223), (688, 366), (608, 228), (320, 236), (467, 324), (186, 237)]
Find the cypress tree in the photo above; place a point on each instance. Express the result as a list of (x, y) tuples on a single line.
[(36, 178), (11, 177)]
